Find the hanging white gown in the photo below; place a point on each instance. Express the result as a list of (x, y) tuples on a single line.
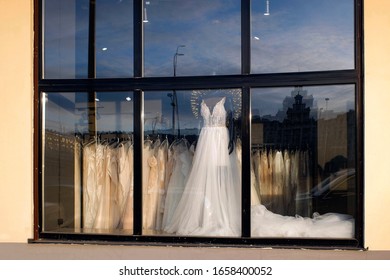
[(89, 185), (108, 212), (127, 219), (124, 177), (162, 158), (210, 204), (255, 198), (182, 159)]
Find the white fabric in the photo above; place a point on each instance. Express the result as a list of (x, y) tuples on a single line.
[(210, 204), (182, 159), (127, 219), (255, 199), (268, 224), (162, 158)]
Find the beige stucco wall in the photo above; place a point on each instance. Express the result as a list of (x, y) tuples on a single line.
[(377, 123), (16, 96), (16, 119)]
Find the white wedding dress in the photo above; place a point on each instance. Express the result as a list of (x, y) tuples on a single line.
[(210, 204)]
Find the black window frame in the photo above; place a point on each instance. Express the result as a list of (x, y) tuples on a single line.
[(138, 84)]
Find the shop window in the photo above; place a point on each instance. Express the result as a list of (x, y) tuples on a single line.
[(301, 35), (87, 161), (207, 35), (303, 162), (201, 122)]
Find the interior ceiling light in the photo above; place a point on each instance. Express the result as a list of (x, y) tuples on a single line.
[(266, 13), (145, 16)]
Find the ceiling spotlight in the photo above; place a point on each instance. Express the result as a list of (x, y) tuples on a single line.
[(128, 98), (256, 38), (145, 16), (104, 49), (266, 13)]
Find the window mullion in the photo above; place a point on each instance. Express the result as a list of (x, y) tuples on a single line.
[(245, 37), (138, 116), (246, 164), (138, 39)]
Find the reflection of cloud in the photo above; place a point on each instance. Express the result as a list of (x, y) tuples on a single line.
[(298, 36), (304, 36), (306, 49), (209, 29)]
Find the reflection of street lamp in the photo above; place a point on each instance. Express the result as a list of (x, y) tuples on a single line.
[(175, 105), (175, 59), (326, 103), (326, 127)]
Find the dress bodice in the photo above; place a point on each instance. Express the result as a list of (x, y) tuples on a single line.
[(217, 117)]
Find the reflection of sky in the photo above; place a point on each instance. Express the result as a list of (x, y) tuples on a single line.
[(338, 99), (298, 35), (303, 35), (114, 38), (67, 112), (210, 31)]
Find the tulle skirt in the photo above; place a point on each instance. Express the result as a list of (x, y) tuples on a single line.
[(211, 201), (210, 204), (331, 225)]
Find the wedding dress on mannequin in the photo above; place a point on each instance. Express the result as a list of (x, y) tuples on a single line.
[(210, 204)]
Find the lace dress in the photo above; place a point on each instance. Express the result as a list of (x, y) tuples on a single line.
[(210, 204)]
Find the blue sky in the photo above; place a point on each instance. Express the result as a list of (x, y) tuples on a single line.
[(298, 35)]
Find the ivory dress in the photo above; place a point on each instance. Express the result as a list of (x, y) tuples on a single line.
[(210, 204), (182, 159)]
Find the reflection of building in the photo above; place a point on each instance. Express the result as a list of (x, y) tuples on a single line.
[(297, 129), (290, 100), (336, 137)]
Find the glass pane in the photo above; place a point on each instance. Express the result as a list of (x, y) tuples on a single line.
[(186, 38), (87, 162), (65, 39), (303, 161), (114, 38), (66, 31), (192, 174), (302, 35)]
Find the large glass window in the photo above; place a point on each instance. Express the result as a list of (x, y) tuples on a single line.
[(302, 35), (191, 171), (303, 160), (65, 39), (84, 40), (225, 122), (187, 38), (87, 162)]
